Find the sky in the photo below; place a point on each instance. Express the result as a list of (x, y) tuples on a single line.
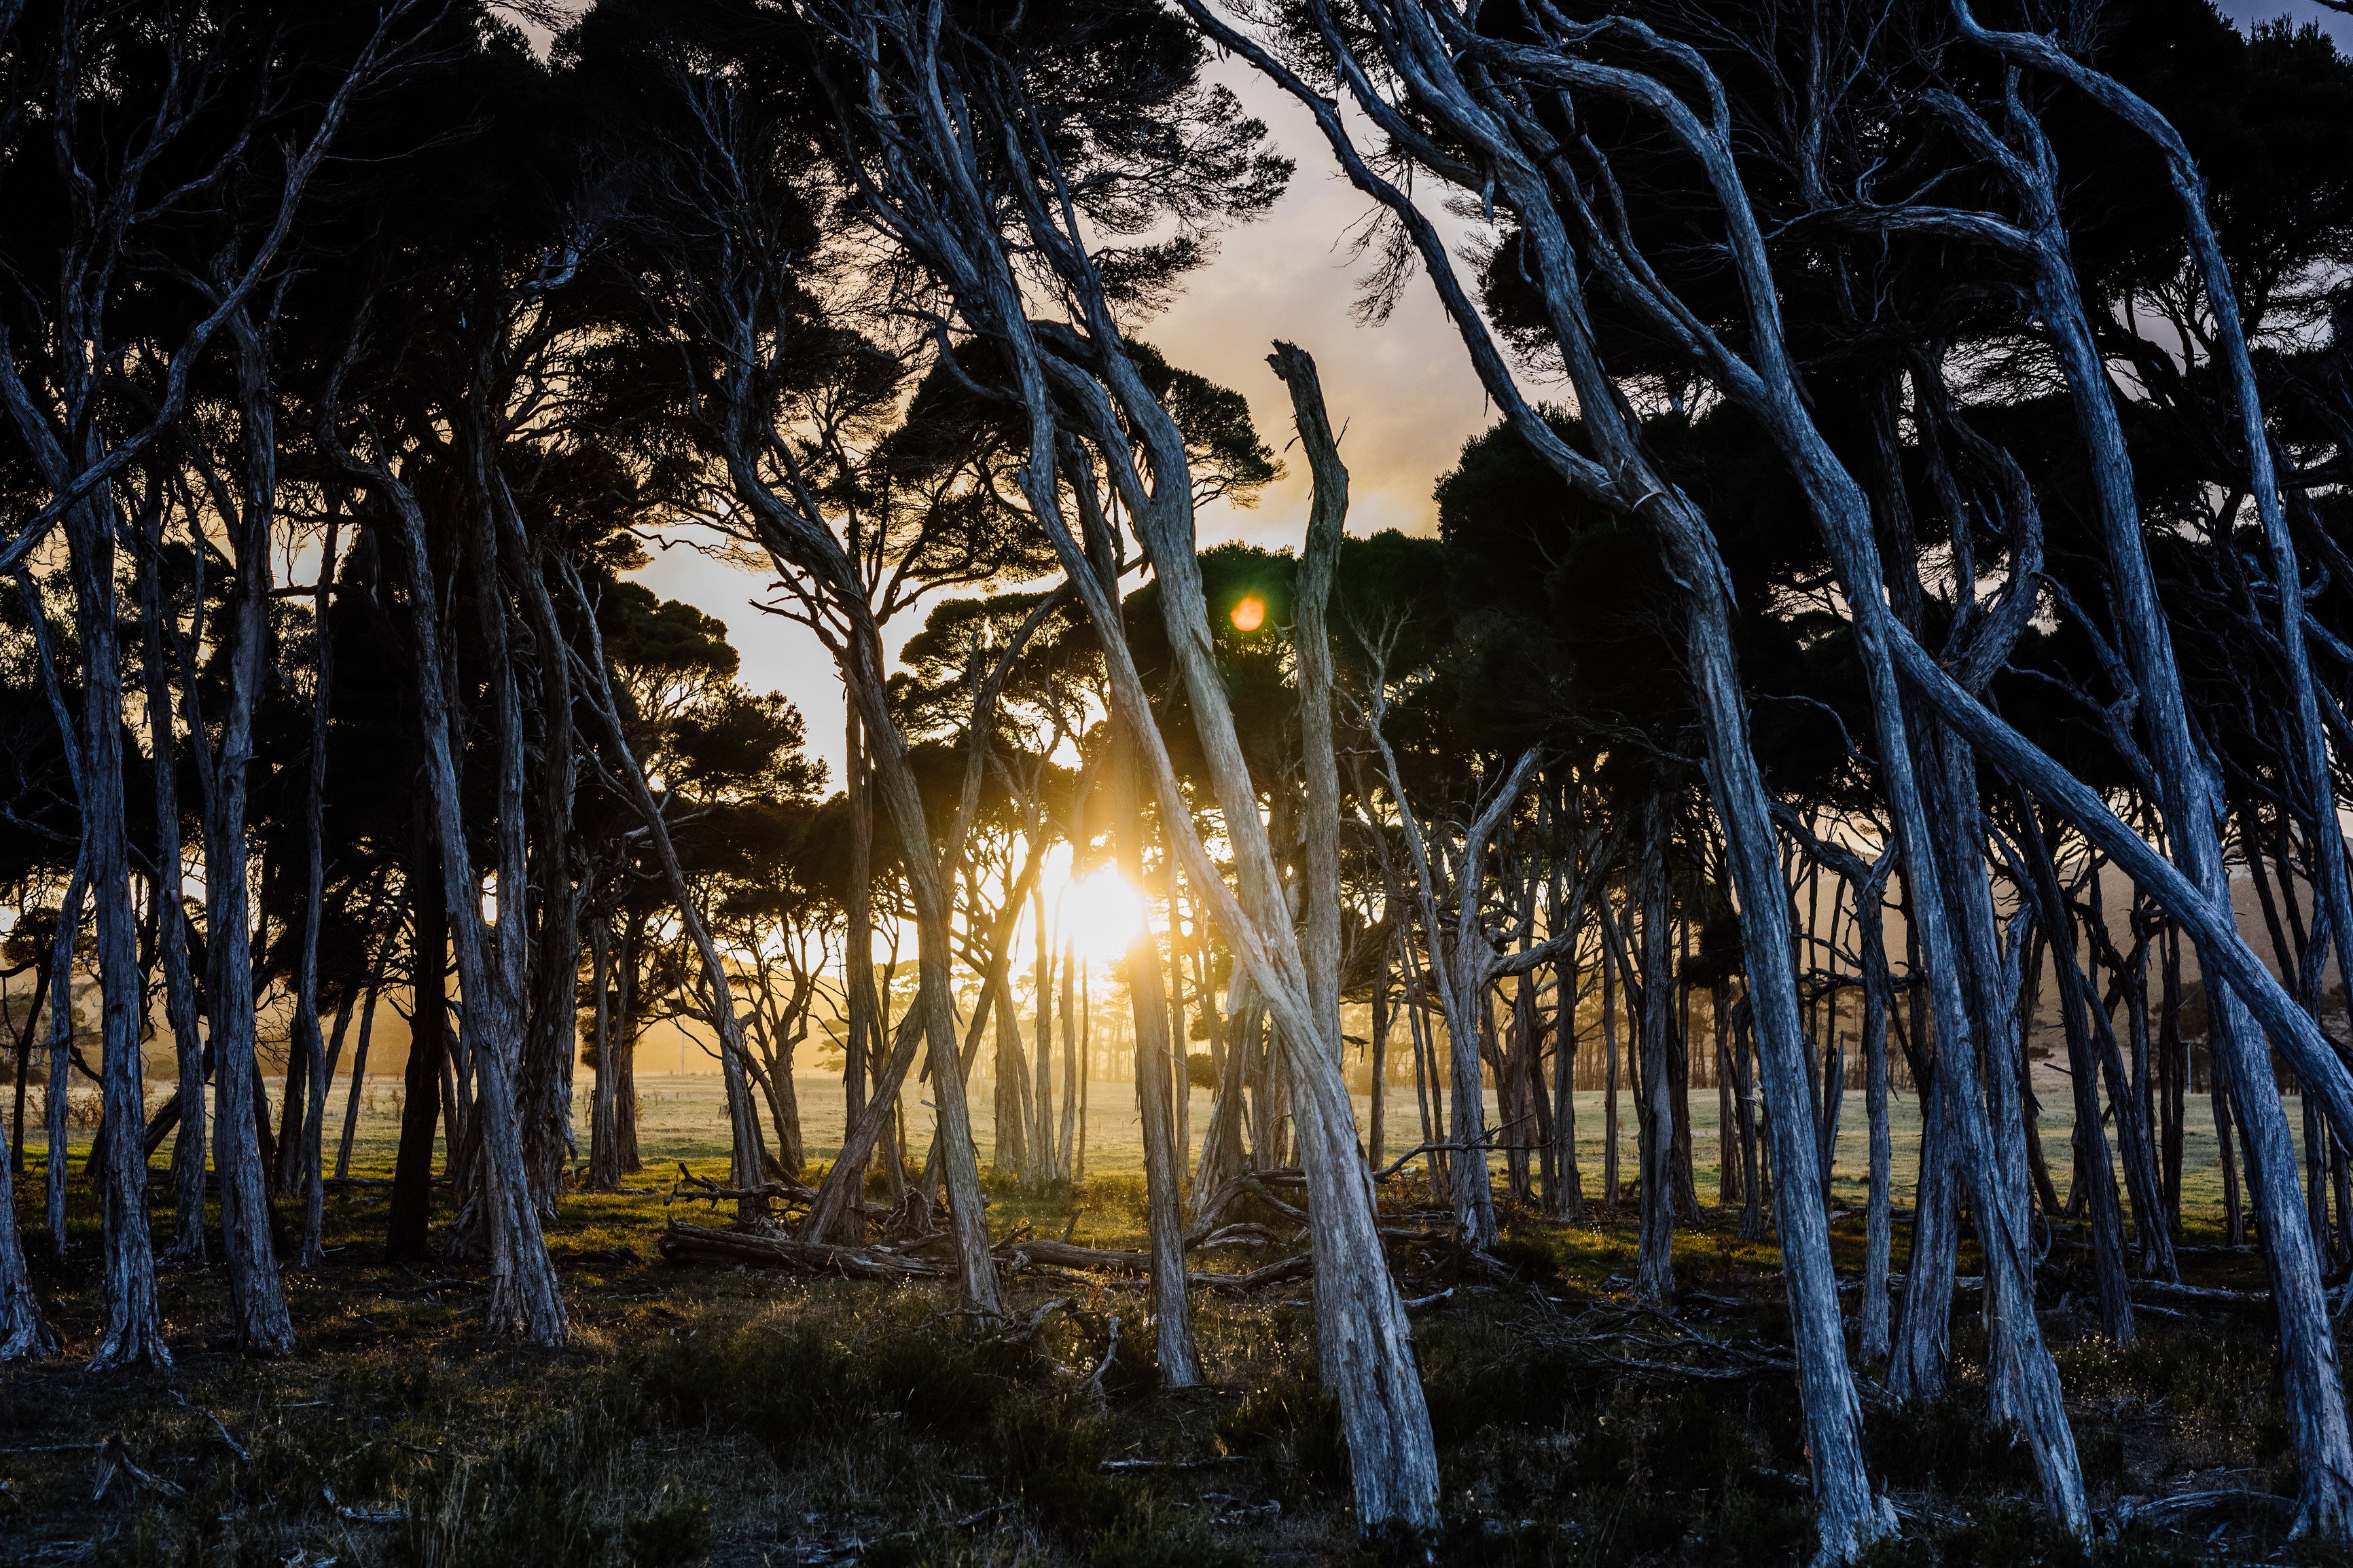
[(1402, 392)]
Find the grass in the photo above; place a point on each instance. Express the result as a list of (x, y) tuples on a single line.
[(745, 1418), (682, 1117)]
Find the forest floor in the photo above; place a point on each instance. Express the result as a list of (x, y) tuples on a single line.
[(745, 1418)]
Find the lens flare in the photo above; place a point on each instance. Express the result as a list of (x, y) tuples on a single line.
[(1250, 614)]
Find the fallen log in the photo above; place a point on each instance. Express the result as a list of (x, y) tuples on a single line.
[(1065, 1255), (1276, 1273), (684, 1243), (1059, 1255)]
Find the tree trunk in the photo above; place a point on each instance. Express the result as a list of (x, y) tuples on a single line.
[(172, 927), (1172, 1312), (1731, 1139), (2092, 1161), (551, 1044), (1568, 1202), (360, 1057), (55, 1089), (1654, 1267), (1609, 1135), (743, 1116), (298, 1154), (23, 1069), (1872, 1346), (1073, 1072), (604, 1157), (134, 1321), (865, 1026), (411, 1211), (626, 1159)]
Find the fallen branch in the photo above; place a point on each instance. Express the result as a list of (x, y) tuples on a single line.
[(1276, 1273), (1057, 1256), (1092, 1390), (1146, 1467), (1485, 1143), (2167, 1290), (1063, 1255), (1252, 1184), (684, 1243), (114, 1460), (234, 1446), (707, 1189)]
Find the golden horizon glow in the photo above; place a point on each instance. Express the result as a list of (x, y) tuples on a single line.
[(1250, 614)]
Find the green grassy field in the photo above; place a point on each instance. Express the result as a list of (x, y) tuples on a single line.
[(682, 1117)]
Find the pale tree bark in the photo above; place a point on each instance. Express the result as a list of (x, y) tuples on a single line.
[(1849, 1514), (2197, 889), (170, 894), (1509, 146), (1319, 559), (257, 1305), (24, 1333), (134, 1320), (307, 1037), (2316, 1397), (945, 217), (1172, 1310), (525, 1297)]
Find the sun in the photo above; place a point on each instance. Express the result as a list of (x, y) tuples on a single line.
[(1250, 614), (1103, 915)]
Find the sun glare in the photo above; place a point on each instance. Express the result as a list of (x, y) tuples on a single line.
[(1250, 614), (1103, 915)]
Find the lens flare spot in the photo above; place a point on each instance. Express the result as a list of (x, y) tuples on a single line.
[(1250, 614)]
